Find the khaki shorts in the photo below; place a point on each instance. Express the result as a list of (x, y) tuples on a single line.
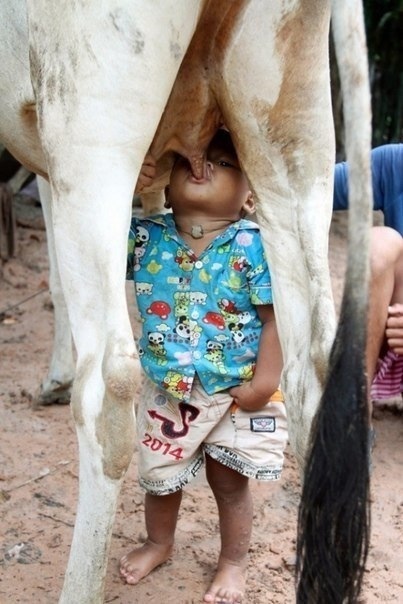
[(173, 437)]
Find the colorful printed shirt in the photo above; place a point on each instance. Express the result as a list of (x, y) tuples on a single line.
[(199, 313)]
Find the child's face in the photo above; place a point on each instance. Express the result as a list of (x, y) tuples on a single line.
[(223, 191)]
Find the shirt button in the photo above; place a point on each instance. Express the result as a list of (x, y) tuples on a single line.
[(199, 264)]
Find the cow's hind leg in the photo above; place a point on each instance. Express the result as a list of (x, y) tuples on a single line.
[(272, 111), (56, 387), (289, 160)]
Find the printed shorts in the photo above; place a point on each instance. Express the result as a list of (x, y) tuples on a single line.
[(173, 437)]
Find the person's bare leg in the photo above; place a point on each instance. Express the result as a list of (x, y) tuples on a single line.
[(394, 325), (161, 515), (397, 296), (235, 510), (386, 288)]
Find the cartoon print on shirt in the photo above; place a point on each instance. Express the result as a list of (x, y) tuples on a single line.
[(188, 329), (143, 288), (259, 270), (236, 332), (204, 276), (141, 239), (185, 259), (246, 372), (181, 283), (159, 308), (214, 318), (156, 346), (244, 317), (238, 263), (182, 327), (177, 384), (185, 327), (181, 306), (235, 320), (198, 298), (153, 267), (215, 354)]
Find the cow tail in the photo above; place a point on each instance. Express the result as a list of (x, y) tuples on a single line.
[(334, 514)]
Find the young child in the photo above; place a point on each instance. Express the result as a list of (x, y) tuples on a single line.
[(212, 359)]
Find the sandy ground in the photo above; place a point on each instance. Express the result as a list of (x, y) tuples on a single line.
[(38, 477)]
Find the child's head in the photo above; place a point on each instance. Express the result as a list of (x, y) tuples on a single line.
[(222, 192)]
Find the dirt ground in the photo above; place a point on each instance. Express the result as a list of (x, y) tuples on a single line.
[(38, 476)]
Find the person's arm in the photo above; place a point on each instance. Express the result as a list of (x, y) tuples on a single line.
[(254, 395)]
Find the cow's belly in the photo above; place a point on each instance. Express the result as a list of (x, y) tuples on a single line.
[(17, 116)]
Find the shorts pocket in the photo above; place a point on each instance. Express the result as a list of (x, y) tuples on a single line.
[(262, 433)]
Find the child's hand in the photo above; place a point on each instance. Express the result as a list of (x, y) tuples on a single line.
[(147, 173), (247, 397), (394, 328)]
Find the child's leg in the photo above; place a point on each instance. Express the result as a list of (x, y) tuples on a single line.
[(235, 510), (161, 514)]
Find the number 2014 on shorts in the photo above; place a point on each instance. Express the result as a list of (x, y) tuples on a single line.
[(155, 444)]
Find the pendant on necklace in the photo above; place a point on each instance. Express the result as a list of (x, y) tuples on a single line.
[(197, 231)]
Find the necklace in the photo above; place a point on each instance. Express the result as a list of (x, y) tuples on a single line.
[(197, 231)]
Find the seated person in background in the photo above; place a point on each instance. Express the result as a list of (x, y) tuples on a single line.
[(385, 325)]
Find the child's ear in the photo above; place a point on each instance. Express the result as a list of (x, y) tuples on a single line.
[(249, 205), (167, 203)]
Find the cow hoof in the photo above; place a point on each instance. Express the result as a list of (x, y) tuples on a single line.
[(56, 394)]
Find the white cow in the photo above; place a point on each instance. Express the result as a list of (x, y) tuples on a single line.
[(83, 88)]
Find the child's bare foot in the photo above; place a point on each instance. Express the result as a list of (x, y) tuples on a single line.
[(228, 586), (138, 563)]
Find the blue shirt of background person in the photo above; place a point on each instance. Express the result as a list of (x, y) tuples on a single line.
[(387, 183)]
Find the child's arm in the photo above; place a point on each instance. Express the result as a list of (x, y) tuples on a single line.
[(254, 395)]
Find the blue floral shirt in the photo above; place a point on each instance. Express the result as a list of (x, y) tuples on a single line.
[(199, 313)]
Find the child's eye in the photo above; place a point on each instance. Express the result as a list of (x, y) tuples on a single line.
[(225, 164)]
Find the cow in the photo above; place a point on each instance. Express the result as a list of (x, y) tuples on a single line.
[(87, 89)]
